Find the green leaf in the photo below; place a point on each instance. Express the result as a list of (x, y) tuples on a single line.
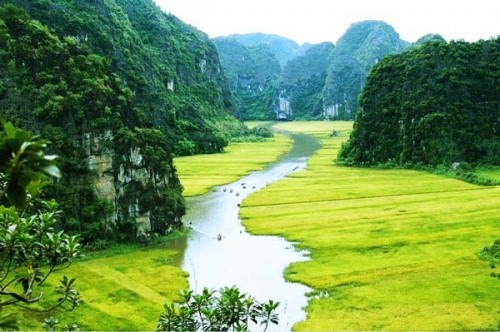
[(52, 170), (9, 129), (16, 195)]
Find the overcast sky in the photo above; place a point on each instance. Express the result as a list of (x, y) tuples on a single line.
[(326, 20)]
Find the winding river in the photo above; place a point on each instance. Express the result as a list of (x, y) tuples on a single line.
[(255, 264)]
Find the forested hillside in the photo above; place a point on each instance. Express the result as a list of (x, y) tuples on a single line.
[(117, 86), (271, 76), (253, 73), (434, 104), (302, 82), (283, 48), (362, 45), (319, 81)]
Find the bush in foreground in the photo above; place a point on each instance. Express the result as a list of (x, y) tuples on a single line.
[(229, 309)]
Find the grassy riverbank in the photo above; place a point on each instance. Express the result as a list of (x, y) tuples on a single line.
[(124, 287), (200, 173), (391, 249)]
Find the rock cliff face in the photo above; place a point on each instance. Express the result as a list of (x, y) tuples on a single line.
[(362, 46), (115, 85), (115, 180), (282, 108), (304, 78), (252, 73), (320, 81)]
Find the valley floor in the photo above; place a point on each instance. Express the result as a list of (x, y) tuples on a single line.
[(390, 249), (124, 288)]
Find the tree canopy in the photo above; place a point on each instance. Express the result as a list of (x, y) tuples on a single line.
[(118, 87), (434, 104), (31, 247)]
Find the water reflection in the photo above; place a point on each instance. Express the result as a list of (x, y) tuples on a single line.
[(254, 264)]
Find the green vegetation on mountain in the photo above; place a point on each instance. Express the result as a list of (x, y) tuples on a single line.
[(302, 81), (315, 81), (253, 73), (362, 45), (270, 75), (429, 37), (284, 48), (437, 104), (118, 87), (172, 69)]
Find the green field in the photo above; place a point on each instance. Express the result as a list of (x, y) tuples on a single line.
[(200, 173), (391, 249), (124, 288), (121, 289), (492, 173)]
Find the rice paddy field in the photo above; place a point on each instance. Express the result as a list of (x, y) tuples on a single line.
[(390, 249), (122, 290), (125, 288), (200, 173)]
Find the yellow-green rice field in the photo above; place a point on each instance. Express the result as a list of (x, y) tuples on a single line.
[(390, 249), (199, 173), (124, 291)]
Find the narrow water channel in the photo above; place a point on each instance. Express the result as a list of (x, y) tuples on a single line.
[(255, 264)]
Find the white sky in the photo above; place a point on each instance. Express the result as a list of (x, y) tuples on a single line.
[(326, 20)]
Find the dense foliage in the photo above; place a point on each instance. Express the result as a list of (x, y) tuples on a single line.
[(118, 87), (208, 311), (315, 81), (492, 255), (283, 48), (434, 104), (171, 69), (361, 46), (253, 73), (303, 79), (30, 247)]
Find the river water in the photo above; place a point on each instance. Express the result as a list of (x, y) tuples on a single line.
[(255, 264)]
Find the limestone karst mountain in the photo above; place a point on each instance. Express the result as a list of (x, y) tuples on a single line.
[(312, 81), (118, 87)]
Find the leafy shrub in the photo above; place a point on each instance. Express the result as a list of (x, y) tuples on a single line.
[(208, 311), (492, 254)]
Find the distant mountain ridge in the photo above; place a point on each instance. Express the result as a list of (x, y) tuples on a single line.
[(339, 72), (362, 45), (284, 48)]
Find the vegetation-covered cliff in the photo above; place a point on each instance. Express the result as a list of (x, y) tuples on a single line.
[(283, 48), (118, 87), (315, 81), (300, 91), (362, 45), (434, 104), (253, 72), (265, 71)]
